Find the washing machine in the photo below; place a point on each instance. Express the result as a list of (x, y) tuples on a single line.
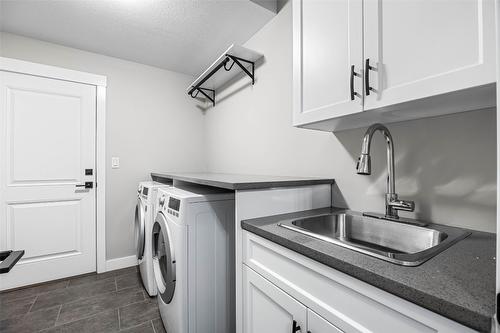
[(193, 259), (144, 218)]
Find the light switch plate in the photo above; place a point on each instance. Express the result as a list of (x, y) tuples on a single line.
[(115, 162)]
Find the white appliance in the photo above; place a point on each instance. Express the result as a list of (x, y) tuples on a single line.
[(144, 218), (193, 259)]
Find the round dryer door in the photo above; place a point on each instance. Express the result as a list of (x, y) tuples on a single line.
[(163, 259), (140, 227)]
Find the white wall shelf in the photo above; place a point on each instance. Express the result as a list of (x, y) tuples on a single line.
[(234, 60)]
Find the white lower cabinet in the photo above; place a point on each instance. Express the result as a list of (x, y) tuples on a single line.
[(270, 310), (282, 287), (318, 324)]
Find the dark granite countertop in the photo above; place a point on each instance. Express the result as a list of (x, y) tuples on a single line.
[(458, 283), (237, 182)]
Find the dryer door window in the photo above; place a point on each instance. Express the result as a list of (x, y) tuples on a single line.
[(140, 227), (163, 259)]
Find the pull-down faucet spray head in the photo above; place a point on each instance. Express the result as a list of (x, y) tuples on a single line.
[(364, 166)]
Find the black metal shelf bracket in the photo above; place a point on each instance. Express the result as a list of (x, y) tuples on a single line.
[(205, 92), (238, 61), (210, 93)]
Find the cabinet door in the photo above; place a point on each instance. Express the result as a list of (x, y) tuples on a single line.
[(267, 309), (424, 48), (327, 41), (317, 324)]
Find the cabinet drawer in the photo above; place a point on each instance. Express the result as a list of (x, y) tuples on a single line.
[(316, 324), (349, 304)]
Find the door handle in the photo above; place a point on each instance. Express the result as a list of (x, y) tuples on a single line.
[(368, 68), (86, 185), (353, 74)]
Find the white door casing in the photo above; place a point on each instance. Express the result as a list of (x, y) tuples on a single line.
[(327, 41), (426, 48), (48, 131), (496, 325)]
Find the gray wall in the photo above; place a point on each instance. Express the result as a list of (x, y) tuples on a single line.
[(146, 107), (447, 164)]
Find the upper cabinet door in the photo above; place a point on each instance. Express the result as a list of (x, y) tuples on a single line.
[(424, 48), (327, 42)]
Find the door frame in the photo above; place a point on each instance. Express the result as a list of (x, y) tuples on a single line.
[(496, 323), (100, 82)]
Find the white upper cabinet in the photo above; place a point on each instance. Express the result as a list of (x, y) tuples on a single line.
[(412, 59), (423, 48), (328, 43)]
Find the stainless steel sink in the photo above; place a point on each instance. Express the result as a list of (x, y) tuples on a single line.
[(397, 242)]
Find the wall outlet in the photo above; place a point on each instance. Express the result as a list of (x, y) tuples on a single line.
[(115, 162)]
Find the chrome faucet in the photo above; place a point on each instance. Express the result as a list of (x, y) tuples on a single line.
[(392, 203)]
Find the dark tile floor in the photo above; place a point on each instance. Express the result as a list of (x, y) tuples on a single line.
[(111, 302)]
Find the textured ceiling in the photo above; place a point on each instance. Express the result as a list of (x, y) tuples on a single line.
[(180, 35)]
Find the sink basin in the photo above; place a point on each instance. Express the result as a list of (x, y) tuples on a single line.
[(396, 242)]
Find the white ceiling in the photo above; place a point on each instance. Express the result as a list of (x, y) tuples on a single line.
[(180, 35)]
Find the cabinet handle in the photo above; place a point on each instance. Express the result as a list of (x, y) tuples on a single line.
[(367, 76), (295, 327), (353, 74)]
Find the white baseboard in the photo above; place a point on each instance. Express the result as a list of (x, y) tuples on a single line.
[(123, 262)]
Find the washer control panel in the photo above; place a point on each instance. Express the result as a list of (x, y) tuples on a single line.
[(143, 192), (173, 206)]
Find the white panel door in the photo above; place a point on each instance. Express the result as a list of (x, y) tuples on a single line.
[(422, 48), (47, 140), (267, 309), (327, 42), (317, 324)]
